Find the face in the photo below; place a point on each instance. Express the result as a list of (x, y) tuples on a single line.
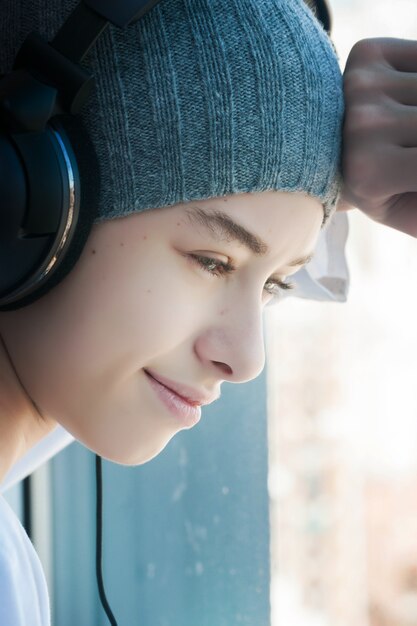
[(162, 307)]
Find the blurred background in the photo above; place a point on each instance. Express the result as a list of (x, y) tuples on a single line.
[(342, 420)]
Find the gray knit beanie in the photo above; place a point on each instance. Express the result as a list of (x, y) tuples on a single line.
[(205, 98)]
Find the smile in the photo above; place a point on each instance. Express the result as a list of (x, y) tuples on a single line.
[(188, 414)]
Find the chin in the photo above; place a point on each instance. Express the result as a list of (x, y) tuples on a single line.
[(132, 459)]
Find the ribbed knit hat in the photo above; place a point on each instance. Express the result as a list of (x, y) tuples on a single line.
[(205, 98)]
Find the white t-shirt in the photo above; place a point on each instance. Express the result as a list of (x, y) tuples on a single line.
[(24, 597)]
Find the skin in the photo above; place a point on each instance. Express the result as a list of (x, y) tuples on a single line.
[(136, 299), (380, 132)]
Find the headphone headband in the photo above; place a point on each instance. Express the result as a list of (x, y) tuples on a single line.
[(121, 14)]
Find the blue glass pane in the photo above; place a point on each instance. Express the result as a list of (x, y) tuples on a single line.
[(186, 536)]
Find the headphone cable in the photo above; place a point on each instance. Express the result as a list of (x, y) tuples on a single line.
[(99, 542)]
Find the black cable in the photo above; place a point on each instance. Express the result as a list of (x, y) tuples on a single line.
[(99, 540), (27, 507)]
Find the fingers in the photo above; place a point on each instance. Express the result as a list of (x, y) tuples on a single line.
[(369, 84), (401, 214), (380, 125), (381, 122), (400, 54), (399, 166), (402, 87), (379, 163), (373, 178), (372, 183)]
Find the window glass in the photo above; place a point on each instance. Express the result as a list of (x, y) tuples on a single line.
[(342, 406)]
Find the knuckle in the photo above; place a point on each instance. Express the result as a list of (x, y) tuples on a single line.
[(364, 51), (367, 119), (363, 174), (360, 83)]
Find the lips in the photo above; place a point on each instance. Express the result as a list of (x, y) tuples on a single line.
[(188, 394), (186, 414)]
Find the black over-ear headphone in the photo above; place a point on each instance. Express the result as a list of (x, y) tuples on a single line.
[(49, 175)]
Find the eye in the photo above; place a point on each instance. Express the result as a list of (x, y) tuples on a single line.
[(275, 287), (213, 266)]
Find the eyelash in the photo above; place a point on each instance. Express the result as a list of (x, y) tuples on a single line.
[(227, 268)]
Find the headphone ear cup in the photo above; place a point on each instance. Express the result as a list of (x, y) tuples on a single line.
[(76, 139), (89, 177)]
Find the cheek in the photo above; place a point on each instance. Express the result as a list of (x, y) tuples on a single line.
[(89, 339), (123, 426)]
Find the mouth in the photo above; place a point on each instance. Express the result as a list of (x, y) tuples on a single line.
[(189, 394), (188, 412)]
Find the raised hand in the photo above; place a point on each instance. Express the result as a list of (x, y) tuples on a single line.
[(380, 132)]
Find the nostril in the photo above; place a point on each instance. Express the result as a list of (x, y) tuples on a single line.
[(225, 368)]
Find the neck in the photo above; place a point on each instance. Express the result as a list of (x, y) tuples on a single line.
[(21, 423)]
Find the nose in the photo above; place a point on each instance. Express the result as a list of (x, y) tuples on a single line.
[(233, 344)]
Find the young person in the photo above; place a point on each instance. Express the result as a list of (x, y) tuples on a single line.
[(217, 129)]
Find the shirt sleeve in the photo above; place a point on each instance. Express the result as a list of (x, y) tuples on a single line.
[(326, 277)]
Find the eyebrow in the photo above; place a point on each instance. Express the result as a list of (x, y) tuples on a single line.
[(221, 227)]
